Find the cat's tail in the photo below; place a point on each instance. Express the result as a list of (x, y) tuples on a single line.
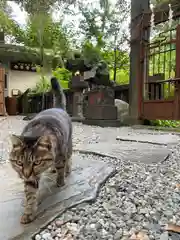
[(59, 96)]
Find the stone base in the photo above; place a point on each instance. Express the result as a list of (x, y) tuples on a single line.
[(133, 121), (102, 123), (77, 119), (101, 112)]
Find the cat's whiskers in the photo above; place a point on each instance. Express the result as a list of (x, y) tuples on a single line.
[(46, 184), (51, 179)]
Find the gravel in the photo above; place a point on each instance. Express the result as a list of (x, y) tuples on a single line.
[(133, 204), (136, 203), (139, 198)]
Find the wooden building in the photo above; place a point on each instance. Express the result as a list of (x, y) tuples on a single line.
[(17, 71)]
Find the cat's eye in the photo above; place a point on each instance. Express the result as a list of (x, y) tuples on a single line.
[(19, 163), (37, 162)]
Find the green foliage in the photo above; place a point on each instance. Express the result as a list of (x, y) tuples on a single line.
[(89, 26), (42, 86), (163, 55), (122, 76), (163, 60), (93, 54), (165, 123), (102, 22), (39, 69), (122, 59), (34, 6), (41, 28), (63, 76), (49, 37), (9, 26), (41, 34), (122, 65), (157, 2)]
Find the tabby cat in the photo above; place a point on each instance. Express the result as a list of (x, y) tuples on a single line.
[(46, 141)]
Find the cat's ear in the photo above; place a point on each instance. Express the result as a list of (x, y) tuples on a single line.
[(16, 141), (44, 143)]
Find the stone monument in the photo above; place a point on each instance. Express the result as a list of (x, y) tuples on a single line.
[(93, 92)]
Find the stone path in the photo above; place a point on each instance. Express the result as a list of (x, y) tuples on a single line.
[(86, 177), (131, 151), (164, 139), (89, 171)]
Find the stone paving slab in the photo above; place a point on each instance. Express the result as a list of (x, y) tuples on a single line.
[(82, 184), (132, 151), (165, 139)]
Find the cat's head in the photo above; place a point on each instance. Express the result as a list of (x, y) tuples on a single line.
[(31, 156)]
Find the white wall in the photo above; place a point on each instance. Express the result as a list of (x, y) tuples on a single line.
[(21, 80)]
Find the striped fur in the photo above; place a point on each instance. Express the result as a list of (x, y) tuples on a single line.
[(45, 142)]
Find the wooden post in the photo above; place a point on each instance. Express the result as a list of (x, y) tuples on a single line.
[(176, 112), (136, 85), (2, 79), (2, 99)]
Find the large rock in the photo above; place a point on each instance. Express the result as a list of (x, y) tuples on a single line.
[(122, 110)]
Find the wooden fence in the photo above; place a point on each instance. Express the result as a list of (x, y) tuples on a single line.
[(35, 103)]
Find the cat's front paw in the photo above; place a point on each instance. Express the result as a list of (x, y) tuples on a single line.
[(68, 170), (60, 182), (27, 218)]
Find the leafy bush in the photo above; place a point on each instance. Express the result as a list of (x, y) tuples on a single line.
[(91, 54), (122, 76), (42, 86), (63, 76), (165, 123)]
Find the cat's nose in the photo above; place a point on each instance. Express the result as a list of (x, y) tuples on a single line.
[(27, 172)]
